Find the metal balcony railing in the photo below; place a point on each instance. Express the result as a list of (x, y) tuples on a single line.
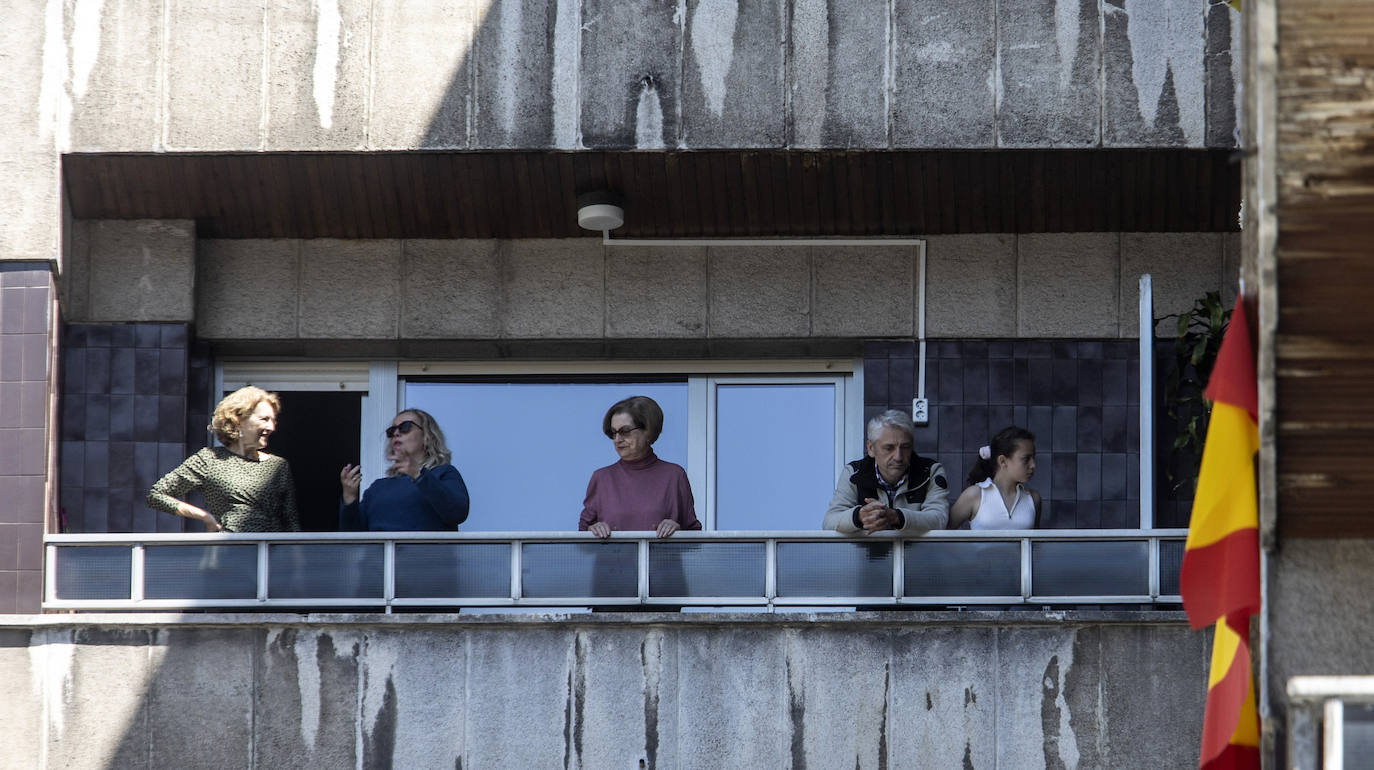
[(319, 571)]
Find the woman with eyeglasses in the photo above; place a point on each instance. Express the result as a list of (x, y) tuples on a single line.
[(640, 492), (421, 490)]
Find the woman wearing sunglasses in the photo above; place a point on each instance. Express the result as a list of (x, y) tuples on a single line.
[(421, 490), (640, 492)]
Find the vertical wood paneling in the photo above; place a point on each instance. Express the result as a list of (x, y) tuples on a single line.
[(670, 194)]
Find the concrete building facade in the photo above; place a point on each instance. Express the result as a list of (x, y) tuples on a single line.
[(185, 185)]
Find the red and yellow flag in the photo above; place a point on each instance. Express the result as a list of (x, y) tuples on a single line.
[(1220, 576)]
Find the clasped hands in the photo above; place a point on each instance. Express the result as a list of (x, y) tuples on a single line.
[(876, 516)]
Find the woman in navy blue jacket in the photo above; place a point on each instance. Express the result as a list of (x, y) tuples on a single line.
[(421, 490)]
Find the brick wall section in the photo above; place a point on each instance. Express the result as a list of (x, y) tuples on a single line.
[(1079, 397), (124, 422), (26, 293)]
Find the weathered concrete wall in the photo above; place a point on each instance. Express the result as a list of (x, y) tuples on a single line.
[(131, 270), (190, 75), (864, 690), (32, 125), (1059, 285), (1323, 611)]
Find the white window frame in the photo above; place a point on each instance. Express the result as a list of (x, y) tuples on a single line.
[(711, 385), (383, 384)]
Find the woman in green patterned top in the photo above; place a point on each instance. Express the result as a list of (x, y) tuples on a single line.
[(246, 489)]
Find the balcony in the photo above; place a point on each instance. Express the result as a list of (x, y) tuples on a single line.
[(770, 570)]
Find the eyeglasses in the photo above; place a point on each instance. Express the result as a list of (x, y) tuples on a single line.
[(405, 427), (622, 433)]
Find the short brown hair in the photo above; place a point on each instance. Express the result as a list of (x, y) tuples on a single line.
[(644, 411), (235, 408)]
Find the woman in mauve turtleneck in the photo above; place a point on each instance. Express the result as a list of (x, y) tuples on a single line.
[(640, 492)]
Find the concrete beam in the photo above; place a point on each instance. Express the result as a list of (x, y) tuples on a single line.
[(450, 289), (1183, 267), (1154, 74), (759, 292), (840, 81), (630, 75), (350, 289), (1084, 266), (317, 78), (863, 291), (945, 85), (656, 292), (421, 81), (505, 74), (215, 79), (224, 305), (733, 87), (553, 289), (1049, 55), (141, 270), (971, 286)]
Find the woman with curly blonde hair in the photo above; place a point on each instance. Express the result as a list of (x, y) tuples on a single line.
[(245, 488)]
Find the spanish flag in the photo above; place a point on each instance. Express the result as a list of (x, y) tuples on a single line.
[(1220, 576)]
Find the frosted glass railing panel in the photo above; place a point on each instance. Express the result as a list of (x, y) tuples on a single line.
[(563, 570), (706, 569), (430, 570), (93, 572), (1170, 562), (1115, 568), (325, 571), (200, 572), (962, 569), (835, 569)]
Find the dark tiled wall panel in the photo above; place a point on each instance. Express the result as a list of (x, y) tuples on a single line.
[(124, 421), (1079, 397), (26, 291)]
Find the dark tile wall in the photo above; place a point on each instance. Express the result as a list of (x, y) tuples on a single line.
[(26, 294), (1079, 398), (125, 421)]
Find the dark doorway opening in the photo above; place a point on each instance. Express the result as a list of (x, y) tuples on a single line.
[(318, 434)]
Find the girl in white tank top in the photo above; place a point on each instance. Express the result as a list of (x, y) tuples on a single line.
[(997, 496)]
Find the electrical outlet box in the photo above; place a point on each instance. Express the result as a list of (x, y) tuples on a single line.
[(920, 411)]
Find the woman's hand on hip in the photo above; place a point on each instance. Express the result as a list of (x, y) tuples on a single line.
[(192, 512)]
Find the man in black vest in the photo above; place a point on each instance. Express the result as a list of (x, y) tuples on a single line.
[(892, 487)]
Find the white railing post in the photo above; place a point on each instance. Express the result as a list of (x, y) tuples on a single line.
[(136, 573), (263, 571), (642, 560), (1147, 403), (388, 573)]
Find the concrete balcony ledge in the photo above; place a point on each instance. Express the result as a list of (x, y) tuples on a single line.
[(1023, 689), (832, 619)]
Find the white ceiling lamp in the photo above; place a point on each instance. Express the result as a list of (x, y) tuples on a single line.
[(599, 211)]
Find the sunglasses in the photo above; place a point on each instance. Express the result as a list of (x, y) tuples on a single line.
[(405, 427)]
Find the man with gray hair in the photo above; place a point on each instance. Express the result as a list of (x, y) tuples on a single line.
[(891, 487)]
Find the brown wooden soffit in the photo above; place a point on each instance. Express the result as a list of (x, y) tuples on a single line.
[(728, 193), (1324, 349)]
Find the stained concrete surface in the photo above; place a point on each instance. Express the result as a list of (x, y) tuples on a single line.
[(895, 689)]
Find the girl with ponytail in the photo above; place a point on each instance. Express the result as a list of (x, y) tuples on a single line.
[(997, 496)]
